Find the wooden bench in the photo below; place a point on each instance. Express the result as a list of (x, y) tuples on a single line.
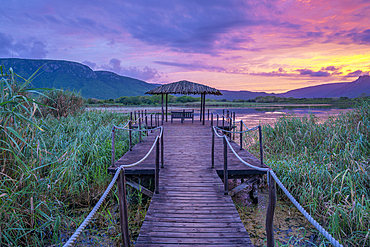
[(182, 114)]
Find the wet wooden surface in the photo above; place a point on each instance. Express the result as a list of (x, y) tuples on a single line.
[(191, 208)]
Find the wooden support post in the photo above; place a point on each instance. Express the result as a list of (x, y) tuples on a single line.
[(227, 113), (212, 120), (151, 121), (226, 173), (223, 121), (162, 110), (230, 127), (130, 135), (166, 105), (156, 182), (241, 135), (270, 212), (213, 149), (162, 151), (142, 115), (139, 129), (233, 113), (113, 146), (217, 120), (146, 124), (131, 116), (123, 215), (201, 108), (204, 108), (208, 114), (134, 115), (261, 147)]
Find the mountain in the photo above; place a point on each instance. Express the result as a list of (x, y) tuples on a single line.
[(75, 76), (108, 85), (345, 89)]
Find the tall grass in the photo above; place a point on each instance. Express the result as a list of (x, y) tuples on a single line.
[(50, 167), (326, 167)]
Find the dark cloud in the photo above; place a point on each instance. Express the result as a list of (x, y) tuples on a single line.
[(6, 45), (92, 65), (312, 73), (199, 26), (277, 73), (357, 73), (25, 48), (193, 66), (362, 37), (143, 74)]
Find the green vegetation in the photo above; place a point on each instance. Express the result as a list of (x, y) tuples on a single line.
[(326, 168), (77, 77), (53, 170)]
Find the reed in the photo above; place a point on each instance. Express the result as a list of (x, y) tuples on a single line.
[(53, 169), (326, 167)]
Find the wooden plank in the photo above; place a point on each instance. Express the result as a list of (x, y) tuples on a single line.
[(191, 208)]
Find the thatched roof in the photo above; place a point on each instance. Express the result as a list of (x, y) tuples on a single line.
[(184, 87)]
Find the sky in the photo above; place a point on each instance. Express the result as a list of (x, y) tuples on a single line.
[(262, 45)]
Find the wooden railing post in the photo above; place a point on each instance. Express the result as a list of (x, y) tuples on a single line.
[(241, 135), (162, 151), (146, 124), (213, 148), (223, 121), (139, 129), (123, 215), (130, 135), (208, 114), (261, 147), (113, 146), (217, 120), (270, 212), (131, 116), (156, 182), (226, 173), (151, 123), (233, 113), (135, 115), (211, 119), (230, 128)]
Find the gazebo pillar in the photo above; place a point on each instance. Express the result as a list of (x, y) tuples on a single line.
[(162, 110), (204, 107), (201, 108), (166, 105)]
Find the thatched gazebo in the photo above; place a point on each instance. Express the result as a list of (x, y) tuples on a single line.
[(185, 87)]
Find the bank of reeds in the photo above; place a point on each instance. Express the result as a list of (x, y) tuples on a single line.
[(52, 170), (326, 167)]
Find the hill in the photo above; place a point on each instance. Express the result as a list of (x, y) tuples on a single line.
[(75, 76)]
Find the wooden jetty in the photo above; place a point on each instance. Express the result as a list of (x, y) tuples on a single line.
[(191, 208)]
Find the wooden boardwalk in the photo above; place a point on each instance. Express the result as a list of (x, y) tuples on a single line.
[(191, 208)]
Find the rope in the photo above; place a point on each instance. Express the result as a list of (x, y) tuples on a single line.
[(244, 162), (77, 233), (237, 132), (332, 240), (79, 230)]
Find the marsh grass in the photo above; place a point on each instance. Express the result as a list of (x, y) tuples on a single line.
[(53, 169), (326, 168)]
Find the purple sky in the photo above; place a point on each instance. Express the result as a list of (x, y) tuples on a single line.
[(271, 46)]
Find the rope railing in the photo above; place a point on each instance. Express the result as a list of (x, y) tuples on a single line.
[(120, 175), (271, 179)]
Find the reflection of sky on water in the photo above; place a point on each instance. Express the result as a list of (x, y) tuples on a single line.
[(255, 116)]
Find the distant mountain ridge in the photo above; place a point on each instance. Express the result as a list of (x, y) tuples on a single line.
[(330, 90), (76, 76), (108, 85)]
